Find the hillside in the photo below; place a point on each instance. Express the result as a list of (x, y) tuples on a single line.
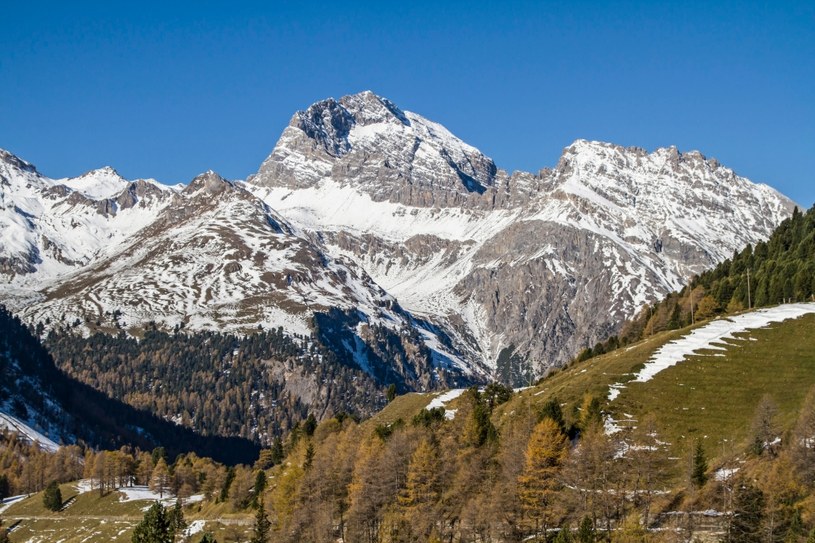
[(779, 270), (475, 465), (423, 475)]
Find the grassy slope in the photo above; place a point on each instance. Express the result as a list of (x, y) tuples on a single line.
[(706, 397), (95, 518)]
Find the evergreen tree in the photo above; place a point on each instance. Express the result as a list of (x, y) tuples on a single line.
[(309, 460), (263, 526), (52, 497), (176, 518), (258, 488), (698, 474), (230, 477), (564, 536), (310, 425), (551, 409), (5, 487), (277, 451), (155, 527), (585, 532), (208, 538)]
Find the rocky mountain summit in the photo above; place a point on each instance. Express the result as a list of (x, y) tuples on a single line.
[(368, 218)]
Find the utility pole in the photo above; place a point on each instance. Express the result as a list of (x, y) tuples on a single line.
[(749, 300)]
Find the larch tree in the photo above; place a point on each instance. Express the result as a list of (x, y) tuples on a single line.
[(646, 464), (764, 427), (539, 483), (803, 440), (160, 478)]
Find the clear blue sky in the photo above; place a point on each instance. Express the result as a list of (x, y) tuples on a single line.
[(166, 91)]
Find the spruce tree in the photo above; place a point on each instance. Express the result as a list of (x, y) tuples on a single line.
[(263, 526), (259, 487), (5, 487), (155, 527), (698, 475), (585, 532), (176, 519), (52, 497)]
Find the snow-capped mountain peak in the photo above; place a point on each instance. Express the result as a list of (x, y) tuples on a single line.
[(383, 220)]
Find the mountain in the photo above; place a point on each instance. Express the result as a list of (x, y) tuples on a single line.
[(366, 217), (530, 265)]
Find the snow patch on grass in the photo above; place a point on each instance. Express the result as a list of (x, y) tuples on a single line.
[(713, 334), (443, 399)]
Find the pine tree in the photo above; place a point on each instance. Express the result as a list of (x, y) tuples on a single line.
[(5, 487), (52, 497), (208, 538), (263, 526), (564, 536), (259, 487), (585, 532), (309, 460), (154, 528), (277, 451)]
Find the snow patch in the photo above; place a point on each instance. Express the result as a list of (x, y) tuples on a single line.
[(713, 334), (443, 399)]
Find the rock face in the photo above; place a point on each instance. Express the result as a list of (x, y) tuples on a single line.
[(368, 220), (367, 142)]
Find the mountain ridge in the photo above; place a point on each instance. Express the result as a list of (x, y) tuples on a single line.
[(486, 264)]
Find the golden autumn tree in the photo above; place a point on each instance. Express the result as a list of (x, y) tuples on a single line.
[(546, 451), (160, 478)]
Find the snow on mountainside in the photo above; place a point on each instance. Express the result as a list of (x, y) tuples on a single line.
[(50, 229), (363, 206), (533, 265)]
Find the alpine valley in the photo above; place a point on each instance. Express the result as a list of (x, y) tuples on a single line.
[(374, 248)]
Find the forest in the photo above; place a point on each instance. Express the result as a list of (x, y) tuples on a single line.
[(32, 386), (542, 477)]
